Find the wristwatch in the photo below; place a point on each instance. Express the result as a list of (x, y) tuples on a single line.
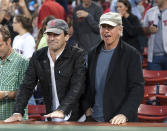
[(6, 95)]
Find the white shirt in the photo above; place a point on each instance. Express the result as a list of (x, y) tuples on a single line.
[(150, 18), (55, 99), (24, 44)]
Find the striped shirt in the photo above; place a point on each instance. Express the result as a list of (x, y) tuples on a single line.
[(11, 75)]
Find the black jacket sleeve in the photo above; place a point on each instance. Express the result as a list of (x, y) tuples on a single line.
[(26, 88)]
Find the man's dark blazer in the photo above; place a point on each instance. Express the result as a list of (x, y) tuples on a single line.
[(124, 86), (70, 69)]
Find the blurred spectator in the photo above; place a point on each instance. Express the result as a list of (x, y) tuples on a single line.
[(20, 7), (34, 25), (132, 28), (75, 3), (147, 5), (6, 17), (23, 43), (141, 8), (155, 25), (134, 3), (42, 38), (50, 7), (70, 9), (64, 3), (106, 6), (85, 23), (32, 5), (71, 31)]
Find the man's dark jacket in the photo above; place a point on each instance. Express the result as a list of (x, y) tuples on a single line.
[(124, 86), (69, 75)]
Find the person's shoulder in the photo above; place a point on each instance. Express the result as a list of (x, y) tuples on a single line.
[(29, 39), (28, 36), (16, 38), (76, 49), (20, 57), (96, 6), (41, 50), (96, 48), (40, 53), (133, 16), (155, 8), (78, 7), (129, 49)]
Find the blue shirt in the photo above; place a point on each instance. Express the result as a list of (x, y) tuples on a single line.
[(103, 62)]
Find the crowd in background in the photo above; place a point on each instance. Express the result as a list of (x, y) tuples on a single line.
[(37, 10)]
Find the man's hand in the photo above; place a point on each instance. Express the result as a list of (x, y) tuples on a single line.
[(82, 14), (55, 114), (11, 94), (153, 29), (118, 119), (22, 3), (14, 117), (2, 94), (5, 4)]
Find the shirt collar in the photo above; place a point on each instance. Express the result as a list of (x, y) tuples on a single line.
[(49, 56), (10, 57)]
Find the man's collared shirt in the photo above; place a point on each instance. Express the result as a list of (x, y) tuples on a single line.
[(11, 75)]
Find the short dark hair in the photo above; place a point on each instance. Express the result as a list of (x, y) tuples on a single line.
[(5, 32), (26, 22), (127, 4)]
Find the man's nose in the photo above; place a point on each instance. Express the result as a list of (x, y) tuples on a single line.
[(51, 37), (106, 29)]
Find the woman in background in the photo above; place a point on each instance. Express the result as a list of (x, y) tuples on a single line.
[(41, 38), (131, 25)]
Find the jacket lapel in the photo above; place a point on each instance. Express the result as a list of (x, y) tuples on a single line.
[(94, 56)]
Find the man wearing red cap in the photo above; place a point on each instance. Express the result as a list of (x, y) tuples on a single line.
[(50, 7)]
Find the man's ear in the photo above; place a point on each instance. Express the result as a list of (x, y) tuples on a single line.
[(67, 37), (121, 30), (9, 41)]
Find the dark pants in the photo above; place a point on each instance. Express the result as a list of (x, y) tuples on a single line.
[(90, 119), (158, 63)]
